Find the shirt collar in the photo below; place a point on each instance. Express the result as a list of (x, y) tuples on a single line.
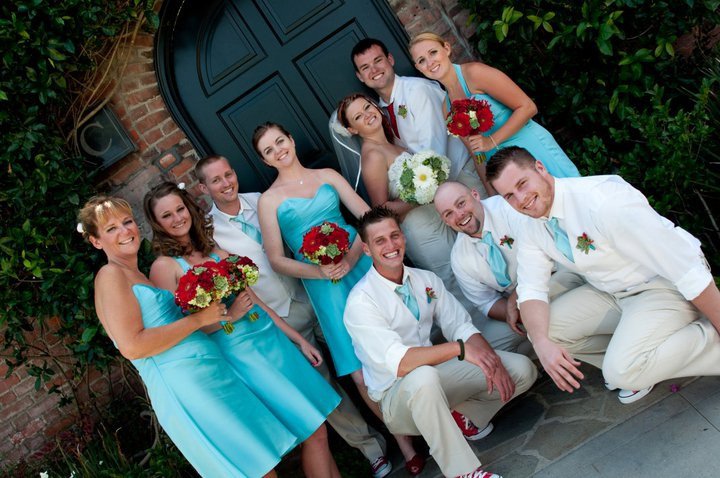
[(396, 84), (388, 283), (244, 206), (558, 206)]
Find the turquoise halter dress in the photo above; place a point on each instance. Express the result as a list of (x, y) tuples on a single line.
[(532, 136)]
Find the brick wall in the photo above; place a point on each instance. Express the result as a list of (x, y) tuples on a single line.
[(28, 418)]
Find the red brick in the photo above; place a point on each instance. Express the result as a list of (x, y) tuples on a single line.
[(169, 141), (59, 425), (42, 406), (167, 160), (135, 68), (182, 168), (156, 104), (149, 153), (186, 150), (144, 40), (153, 136), (138, 111), (168, 126), (7, 383), (150, 121), (7, 398), (142, 95), (128, 85), (131, 165), (25, 386), (20, 420)]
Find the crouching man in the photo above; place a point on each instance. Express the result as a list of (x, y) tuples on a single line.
[(389, 315)]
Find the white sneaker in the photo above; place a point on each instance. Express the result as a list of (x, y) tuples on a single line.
[(630, 396), (480, 474), (381, 467)]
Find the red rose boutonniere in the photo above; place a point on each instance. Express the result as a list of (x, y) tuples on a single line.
[(584, 243), (507, 240), (430, 293)]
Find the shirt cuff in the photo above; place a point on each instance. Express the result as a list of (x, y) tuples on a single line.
[(694, 282), (394, 356), (466, 331), (485, 308), (525, 295)]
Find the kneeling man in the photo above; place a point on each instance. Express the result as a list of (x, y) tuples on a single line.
[(389, 314), (648, 281)]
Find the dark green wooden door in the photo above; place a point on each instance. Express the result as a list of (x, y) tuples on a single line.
[(227, 66)]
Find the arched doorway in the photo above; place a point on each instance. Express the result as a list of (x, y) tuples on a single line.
[(224, 66)]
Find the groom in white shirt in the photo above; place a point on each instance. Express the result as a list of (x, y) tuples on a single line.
[(237, 231), (648, 281), (414, 107), (484, 260), (389, 314)]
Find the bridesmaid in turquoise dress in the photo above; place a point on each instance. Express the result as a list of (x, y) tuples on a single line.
[(216, 422), (258, 348), (297, 200), (512, 109)]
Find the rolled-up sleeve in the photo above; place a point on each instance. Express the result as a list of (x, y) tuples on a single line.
[(534, 270), (639, 232), (476, 291), (379, 348), (451, 316)]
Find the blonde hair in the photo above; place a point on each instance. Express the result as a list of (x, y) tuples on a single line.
[(429, 36), (97, 210)]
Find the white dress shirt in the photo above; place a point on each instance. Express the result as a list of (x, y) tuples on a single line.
[(423, 125), (382, 328), (469, 254), (632, 242), (274, 289)]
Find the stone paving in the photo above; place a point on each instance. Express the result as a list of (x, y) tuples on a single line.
[(549, 433)]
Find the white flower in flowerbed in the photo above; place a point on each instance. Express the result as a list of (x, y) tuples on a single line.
[(421, 175)]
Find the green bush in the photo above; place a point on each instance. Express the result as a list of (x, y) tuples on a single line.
[(612, 86), (46, 271)]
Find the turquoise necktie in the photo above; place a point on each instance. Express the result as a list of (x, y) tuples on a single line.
[(408, 298), (560, 237), (496, 261), (252, 231)]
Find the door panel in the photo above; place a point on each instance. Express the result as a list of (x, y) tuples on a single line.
[(235, 64)]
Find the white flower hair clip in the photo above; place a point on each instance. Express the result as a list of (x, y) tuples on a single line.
[(340, 129), (79, 228), (181, 186)]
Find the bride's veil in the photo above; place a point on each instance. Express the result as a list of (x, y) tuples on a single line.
[(347, 150)]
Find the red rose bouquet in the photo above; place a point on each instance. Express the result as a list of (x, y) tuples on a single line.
[(325, 244), (469, 117), (243, 272), (211, 281)]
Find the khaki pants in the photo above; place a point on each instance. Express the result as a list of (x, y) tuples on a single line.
[(638, 338), (420, 403), (345, 419)]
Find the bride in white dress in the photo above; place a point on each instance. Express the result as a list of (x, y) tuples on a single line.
[(428, 240)]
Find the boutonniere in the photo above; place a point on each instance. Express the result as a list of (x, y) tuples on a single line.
[(430, 293), (402, 111), (507, 240), (584, 243)]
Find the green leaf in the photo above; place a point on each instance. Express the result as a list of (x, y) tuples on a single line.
[(547, 27), (88, 334), (56, 55)]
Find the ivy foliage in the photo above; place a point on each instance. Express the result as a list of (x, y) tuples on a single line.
[(46, 270), (627, 87)]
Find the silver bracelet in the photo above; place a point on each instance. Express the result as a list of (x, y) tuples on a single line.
[(493, 141)]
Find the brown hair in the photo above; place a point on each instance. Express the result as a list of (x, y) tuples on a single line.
[(201, 232), (260, 131), (373, 216), (364, 45), (206, 161), (345, 103), (505, 156), (97, 210)]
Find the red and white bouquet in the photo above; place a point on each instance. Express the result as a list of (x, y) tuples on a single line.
[(210, 281), (325, 244), (468, 117)]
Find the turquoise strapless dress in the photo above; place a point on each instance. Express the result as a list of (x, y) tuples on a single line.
[(296, 216), (276, 371), (217, 423), (532, 136)]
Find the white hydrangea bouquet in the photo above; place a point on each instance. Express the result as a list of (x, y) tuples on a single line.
[(420, 176)]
